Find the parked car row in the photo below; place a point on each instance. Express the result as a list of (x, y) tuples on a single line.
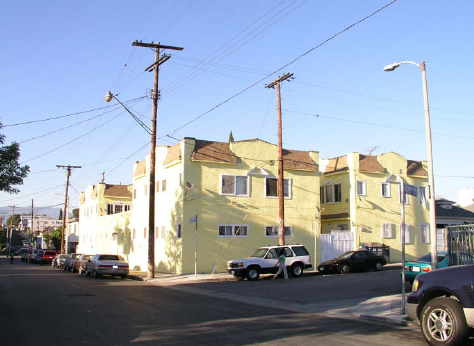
[(39, 256), (96, 265)]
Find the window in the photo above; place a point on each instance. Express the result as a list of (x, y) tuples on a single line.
[(425, 234), (134, 193), (163, 232), (117, 208), (331, 193), (272, 187), (110, 209), (272, 231), (126, 207), (342, 227), (361, 189), (144, 232), (233, 230), (133, 233), (178, 231), (157, 231), (163, 185), (322, 200), (422, 195), (387, 230), (385, 190), (405, 199), (157, 184), (234, 185), (407, 233), (146, 190), (180, 179)]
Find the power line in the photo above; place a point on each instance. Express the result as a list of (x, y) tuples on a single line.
[(69, 115), (286, 65)]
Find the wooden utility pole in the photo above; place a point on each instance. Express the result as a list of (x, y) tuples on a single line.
[(11, 229), (32, 214), (151, 205), (281, 197), (68, 174)]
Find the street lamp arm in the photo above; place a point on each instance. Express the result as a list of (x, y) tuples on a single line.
[(111, 96)]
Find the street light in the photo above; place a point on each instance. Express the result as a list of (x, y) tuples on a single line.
[(431, 197)]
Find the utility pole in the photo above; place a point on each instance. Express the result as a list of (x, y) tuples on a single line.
[(103, 177), (32, 233), (11, 229), (68, 174), (281, 197), (151, 205)]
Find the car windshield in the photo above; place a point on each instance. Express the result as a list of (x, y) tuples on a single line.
[(260, 253), (427, 258), (346, 254), (109, 258)]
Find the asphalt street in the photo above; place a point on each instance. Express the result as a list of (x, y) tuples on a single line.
[(44, 306)]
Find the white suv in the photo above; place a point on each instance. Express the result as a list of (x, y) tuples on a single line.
[(264, 261)]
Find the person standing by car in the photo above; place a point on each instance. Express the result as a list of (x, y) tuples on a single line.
[(12, 254), (281, 265)]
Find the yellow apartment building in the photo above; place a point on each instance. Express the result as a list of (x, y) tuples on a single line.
[(359, 206)]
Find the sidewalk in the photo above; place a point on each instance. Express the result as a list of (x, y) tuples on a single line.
[(142, 276)]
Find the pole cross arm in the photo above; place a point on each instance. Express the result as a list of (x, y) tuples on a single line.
[(154, 45)]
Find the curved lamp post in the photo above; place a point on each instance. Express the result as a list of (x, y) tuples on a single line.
[(431, 196)]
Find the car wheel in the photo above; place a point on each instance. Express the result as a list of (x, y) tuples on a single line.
[(123, 276), (378, 266), (96, 275), (73, 269), (297, 270), (253, 273), (443, 322), (345, 269)]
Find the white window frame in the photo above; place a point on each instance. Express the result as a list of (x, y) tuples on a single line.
[(332, 187), (234, 230), (342, 224), (387, 226), (407, 233), (388, 195), (364, 185), (277, 228), (420, 200), (235, 185), (290, 187), (427, 240)]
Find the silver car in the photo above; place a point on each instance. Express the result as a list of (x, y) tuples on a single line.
[(107, 264)]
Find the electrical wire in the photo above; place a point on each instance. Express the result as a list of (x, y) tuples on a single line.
[(286, 65)]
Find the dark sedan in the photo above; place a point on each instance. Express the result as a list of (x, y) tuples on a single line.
[(353, 260)]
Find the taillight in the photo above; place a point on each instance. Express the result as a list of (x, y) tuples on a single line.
[(426, 269), (310, 260), (406, 268)]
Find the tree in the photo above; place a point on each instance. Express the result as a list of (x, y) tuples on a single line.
[(75, 213), (231, 137), (55, 239), (60, 214), (11, 173), (15, 218)]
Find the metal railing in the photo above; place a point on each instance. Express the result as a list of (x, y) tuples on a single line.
[(460, 243)]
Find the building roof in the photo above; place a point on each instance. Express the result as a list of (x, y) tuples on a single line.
[(416, 168), (173, 155), (298, 160), (368, 163), (209, 151), (446, 209), (117, 191), (140, 169), (338, 164)]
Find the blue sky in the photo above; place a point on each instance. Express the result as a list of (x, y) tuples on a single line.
[(60, 58)]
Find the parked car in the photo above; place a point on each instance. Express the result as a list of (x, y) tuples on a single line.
[(34, 254), (80, 264), (423, 265), (47, 257), (442, 302), (107, 264), (58, 261), (24, 256), (69, 261), (264, 261), (353, 260)]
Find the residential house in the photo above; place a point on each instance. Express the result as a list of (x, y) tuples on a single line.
[(104, 213), (448, 214), (360, 206), (221, 199)]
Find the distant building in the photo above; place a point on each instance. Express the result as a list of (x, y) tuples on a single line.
[(447, 214), (40, 223)]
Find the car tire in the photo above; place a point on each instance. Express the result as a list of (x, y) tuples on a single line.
[(96, 275), (435, 319), (73, 270), (123, 276), (253, 273), (378, 266), (296, 270), (345, 269), (64, 268)]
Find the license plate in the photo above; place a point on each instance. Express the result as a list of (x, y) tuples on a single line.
[(321, 268), (232, 272), (416, 269), (115, 267)]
